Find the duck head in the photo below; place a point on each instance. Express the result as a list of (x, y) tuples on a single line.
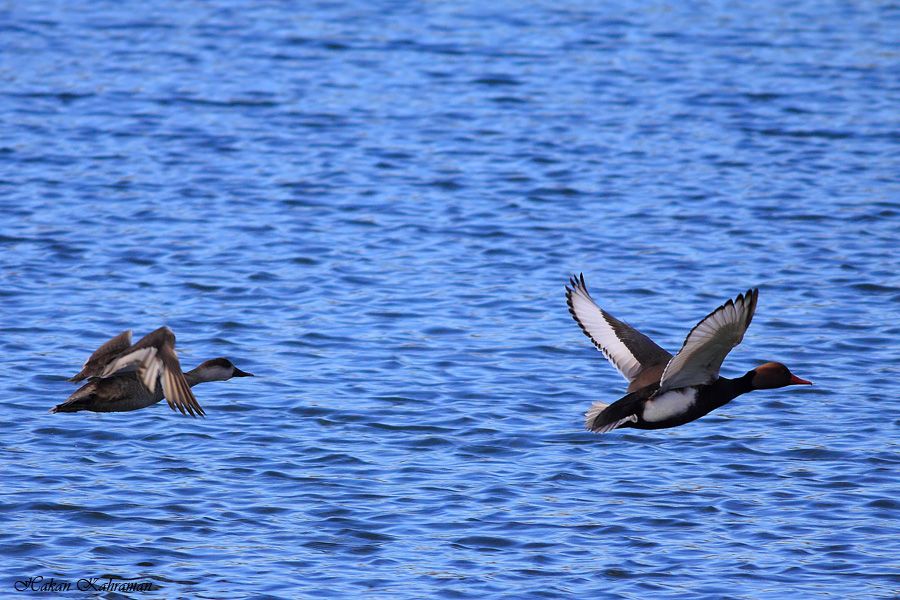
[(774, 375), (218, 369)]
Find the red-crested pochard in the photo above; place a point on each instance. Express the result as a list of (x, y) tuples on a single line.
[(665, 390)]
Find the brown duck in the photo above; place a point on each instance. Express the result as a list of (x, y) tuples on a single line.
[(123, 376)]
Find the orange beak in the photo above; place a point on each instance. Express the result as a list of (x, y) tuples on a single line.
[(797, 381)]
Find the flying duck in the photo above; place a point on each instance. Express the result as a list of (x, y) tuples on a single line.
[(123, 376), (665, 390)]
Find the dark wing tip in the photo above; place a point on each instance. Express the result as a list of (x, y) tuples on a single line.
[(160, 335), (192, 405), (577, 285), (179, 399), (577, 281), (752, 296), (189, 403)]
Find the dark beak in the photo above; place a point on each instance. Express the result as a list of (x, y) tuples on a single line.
[(239, 373), (797, 381)]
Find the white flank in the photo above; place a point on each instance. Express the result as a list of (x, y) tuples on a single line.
[(669, 404)]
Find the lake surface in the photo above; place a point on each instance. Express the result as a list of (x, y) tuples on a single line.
[(375, 207)]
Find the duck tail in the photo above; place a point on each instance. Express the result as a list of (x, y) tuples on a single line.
[(593, 412), (77, 401), (69, 406), (601, 417)]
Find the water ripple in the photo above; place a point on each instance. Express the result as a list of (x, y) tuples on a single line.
[(374, 209)]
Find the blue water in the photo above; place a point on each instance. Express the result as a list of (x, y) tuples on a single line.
[(375, 207)]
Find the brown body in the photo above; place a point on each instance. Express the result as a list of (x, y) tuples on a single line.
[(124, 376)]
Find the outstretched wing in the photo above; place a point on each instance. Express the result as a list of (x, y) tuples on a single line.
[(708, 343), (154, 359), (94, 365), (635, 355)]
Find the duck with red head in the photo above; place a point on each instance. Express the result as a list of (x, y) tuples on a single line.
[(666, 390), (773, 375)]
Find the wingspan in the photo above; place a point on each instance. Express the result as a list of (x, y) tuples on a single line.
[(175, 388), (632, 353), (709, 342), (154, 359), (94, 365)]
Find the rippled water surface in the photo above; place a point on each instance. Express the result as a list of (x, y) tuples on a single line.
[(375, 207)]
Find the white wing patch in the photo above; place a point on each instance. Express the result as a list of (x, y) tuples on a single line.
[(708, 343), (170, 385), (144, 361), (590, 317), (150, 370), (670, 404)]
